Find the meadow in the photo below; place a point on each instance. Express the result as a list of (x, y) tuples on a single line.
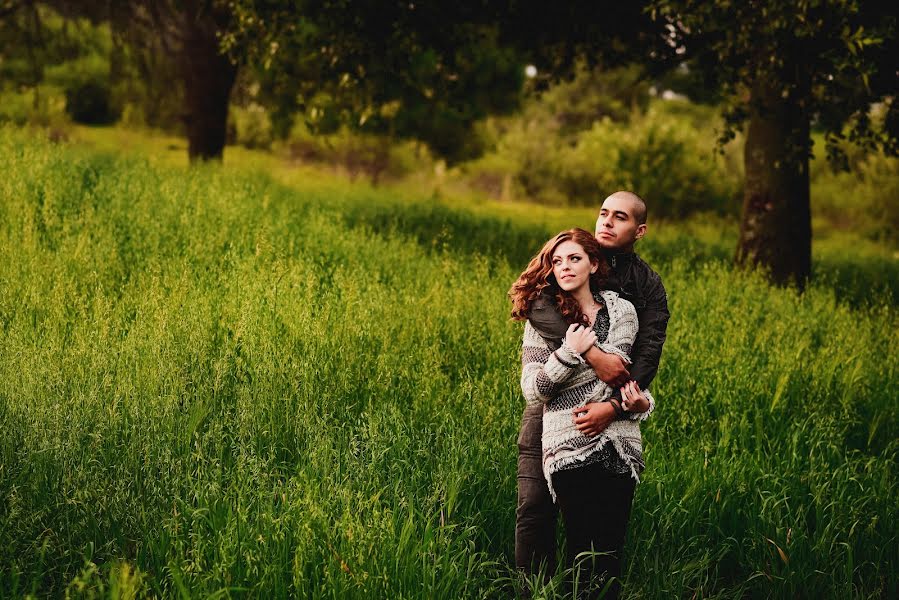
[(226, 383)]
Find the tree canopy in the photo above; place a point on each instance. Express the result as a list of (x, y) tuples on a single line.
[(835, 57), (427, 70)]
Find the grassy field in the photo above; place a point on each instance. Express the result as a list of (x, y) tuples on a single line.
[(222, 383)]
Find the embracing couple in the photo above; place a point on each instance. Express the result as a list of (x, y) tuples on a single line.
[(595, 317)]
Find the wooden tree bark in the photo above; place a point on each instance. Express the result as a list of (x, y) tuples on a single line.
[(775, 232), (208, 78)]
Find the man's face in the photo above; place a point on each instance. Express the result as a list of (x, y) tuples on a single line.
[(616, 227)]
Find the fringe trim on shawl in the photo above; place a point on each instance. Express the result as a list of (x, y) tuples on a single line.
[(579, 455)]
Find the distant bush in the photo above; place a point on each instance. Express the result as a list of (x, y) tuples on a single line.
[(592, 95), (249, 126), (582, 139), (376, 157), (661, 154), (78, 64), (43, 108), (90, 103), (668, 162), (865, 199), (492, 175), (16, 107)]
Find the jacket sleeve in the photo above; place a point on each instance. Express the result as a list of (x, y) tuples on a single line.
[(547, 321), (543, 371), (622, 332), (653, 324)]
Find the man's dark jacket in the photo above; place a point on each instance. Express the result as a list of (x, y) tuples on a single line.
[(631, 277)]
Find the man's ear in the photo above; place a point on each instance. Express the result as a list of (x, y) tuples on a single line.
[(641, 230)]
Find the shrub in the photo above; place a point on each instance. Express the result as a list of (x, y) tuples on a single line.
[(14, 108), (864, 200), (376, 157), (90, 102), (660, 154), (43, 106), (594, 94), (249, 126), (665, 160)]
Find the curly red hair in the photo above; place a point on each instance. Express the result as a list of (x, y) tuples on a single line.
[(538, 278)]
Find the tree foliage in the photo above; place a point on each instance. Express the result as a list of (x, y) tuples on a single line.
[(834, 57), (407, 69), (427, 69), (47, 53)]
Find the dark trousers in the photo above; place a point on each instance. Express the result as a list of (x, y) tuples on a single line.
[(595, 506), (536, 515)]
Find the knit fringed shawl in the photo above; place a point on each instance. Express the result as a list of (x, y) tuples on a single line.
[(562, 380)]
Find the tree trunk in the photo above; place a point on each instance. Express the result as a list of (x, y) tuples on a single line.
[(776, 232), (208, 78)]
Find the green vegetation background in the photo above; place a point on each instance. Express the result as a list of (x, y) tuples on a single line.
[(224, 382), (569, 144)]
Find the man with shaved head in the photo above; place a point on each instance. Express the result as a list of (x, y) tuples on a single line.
[(636, 202), (621, 222)]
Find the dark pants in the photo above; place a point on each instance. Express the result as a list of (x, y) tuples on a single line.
[(535, 517), (596, 506)]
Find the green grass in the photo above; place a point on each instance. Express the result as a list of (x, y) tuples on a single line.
[(216, 383)]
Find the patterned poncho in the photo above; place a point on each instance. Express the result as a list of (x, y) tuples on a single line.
[(562, 380)]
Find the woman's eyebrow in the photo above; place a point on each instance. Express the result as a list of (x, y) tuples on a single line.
[(569, 256)]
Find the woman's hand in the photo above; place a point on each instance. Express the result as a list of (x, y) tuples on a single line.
[(633, 399), (580, 338)]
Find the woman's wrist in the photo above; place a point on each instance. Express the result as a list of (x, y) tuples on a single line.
[(570, 355)]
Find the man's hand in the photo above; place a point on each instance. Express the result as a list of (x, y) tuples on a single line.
[(591, 419), (609, 367)]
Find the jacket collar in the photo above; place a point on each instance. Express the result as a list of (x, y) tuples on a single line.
[(619, 260)]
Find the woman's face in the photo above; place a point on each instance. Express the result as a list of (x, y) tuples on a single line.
[(571, 266)]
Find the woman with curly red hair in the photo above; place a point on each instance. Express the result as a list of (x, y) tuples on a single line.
[(591, 473)]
